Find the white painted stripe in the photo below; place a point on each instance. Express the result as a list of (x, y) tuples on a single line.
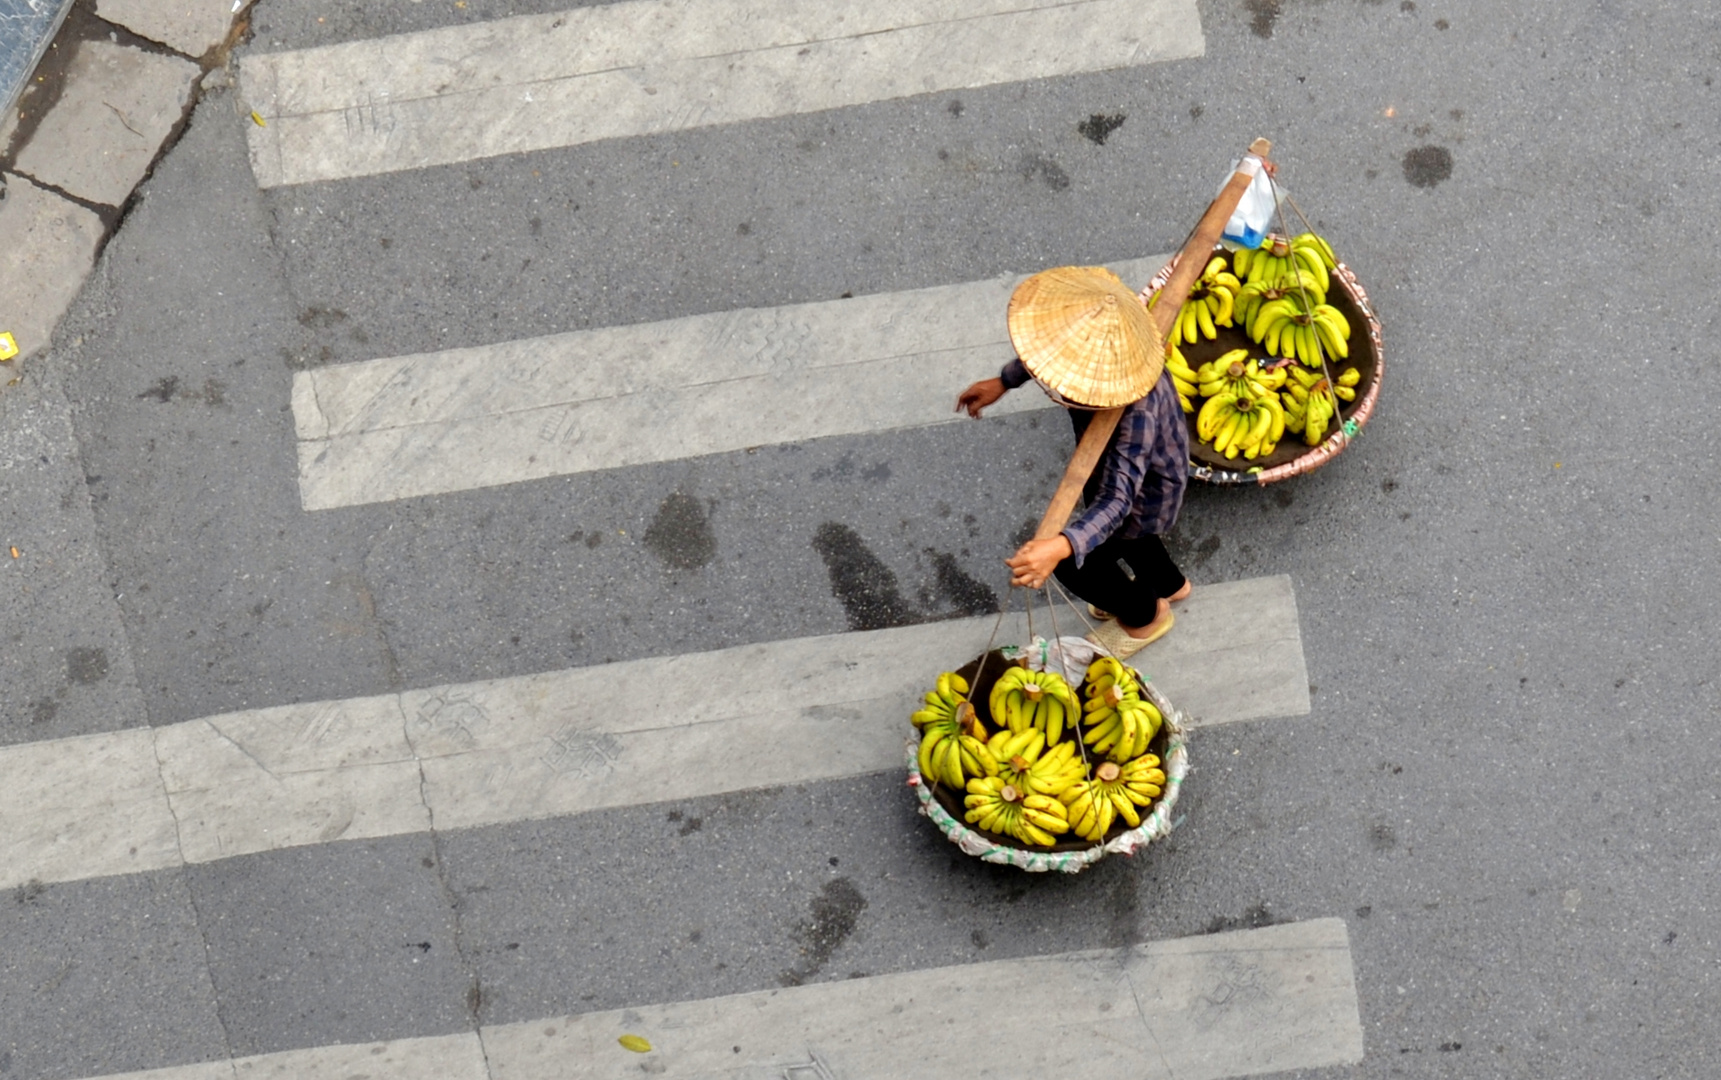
[(1235, 655), (564, 742), (1202, 1008), (81, 807), (643, 67), (433, 423)]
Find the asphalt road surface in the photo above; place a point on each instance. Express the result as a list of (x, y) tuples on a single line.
[(1482, 843)]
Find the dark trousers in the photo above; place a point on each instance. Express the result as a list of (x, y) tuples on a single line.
[(1125, 577)]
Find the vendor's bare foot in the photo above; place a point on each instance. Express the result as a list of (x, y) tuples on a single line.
[(1161, 622), (1183, 593)]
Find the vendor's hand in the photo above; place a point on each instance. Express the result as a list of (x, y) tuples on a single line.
[(980, 395), (1034, 561)]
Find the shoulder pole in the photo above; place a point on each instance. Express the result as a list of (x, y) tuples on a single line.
[(1190, 263)]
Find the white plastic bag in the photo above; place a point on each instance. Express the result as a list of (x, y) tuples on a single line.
[(1068, 656), (1257, 211)]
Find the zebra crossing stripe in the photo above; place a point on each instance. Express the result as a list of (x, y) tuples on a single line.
[(1203, 1008), (563, 742), (644, 67), (405, 426)]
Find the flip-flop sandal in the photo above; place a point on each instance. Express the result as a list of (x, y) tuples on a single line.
[(1117, 641), (1102, 616)]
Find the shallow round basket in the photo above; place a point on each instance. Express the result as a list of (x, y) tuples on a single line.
[(944, 805), (1293, 457)]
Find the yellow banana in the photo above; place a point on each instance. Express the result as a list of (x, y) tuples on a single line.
[(1227, 306), (1142, 769), (1258, 432), (1124, 804), (1204, 320), (927, 742), (1276, 428)]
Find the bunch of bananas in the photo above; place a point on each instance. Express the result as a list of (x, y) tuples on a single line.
[(1345, 387), (1242, 405), (1297, 325), (944, 702), (1017, 793), (1001, 807), (1115, 791), (1025, 766), (1040, 699), (1241, 423), (1209, 305), (1182, 377), (1279, 258), (1256, 293), (952, 738), (1032, 778), (1311, 401), (1109, 681), (1234, 373), (1119, 720)]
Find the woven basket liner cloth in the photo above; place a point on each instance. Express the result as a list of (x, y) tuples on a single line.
[(1083, 333)]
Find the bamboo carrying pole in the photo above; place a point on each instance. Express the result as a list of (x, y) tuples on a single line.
[(1190, 263)]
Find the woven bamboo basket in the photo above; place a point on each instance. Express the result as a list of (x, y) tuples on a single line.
[(1293, 457), (945, 807)]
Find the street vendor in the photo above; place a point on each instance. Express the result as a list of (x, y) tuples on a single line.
[(1087, 340)]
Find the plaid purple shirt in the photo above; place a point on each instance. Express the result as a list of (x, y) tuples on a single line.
[(1138, 487)]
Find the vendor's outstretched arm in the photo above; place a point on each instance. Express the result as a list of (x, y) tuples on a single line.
[(979, 396), (987, 391)]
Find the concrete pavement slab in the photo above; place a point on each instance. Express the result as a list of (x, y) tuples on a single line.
[(343, 943), (192, 27), (47, 247), (104, 977), (118, 106)]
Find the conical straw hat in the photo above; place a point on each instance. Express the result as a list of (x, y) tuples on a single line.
[(1084, 334)]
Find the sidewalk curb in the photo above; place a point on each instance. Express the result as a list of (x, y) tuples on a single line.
[(119, 85)]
